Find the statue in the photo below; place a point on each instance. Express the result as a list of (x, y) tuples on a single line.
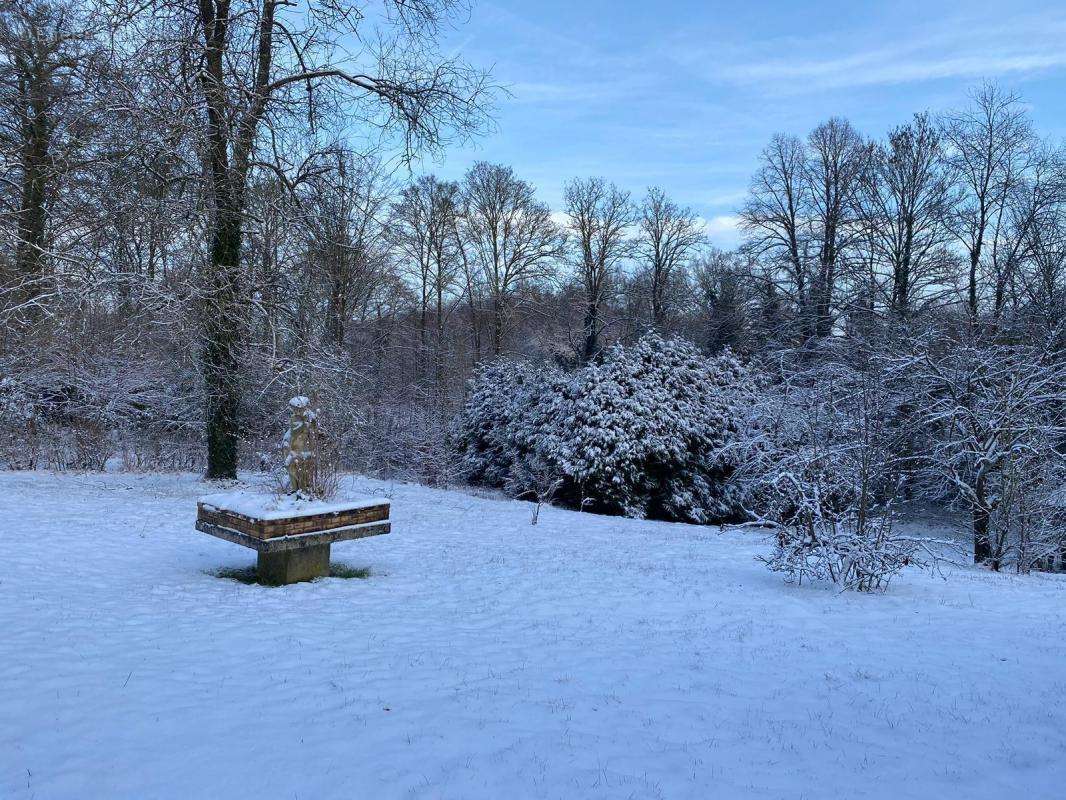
[(301, 441)]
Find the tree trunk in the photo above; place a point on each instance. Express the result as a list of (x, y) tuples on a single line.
[(423, 317), (439, 358), (497, 326), (592, 330), (823, 307), (901, 292), (338, 305), (475, 324), (222, 329), (33, 214), (982, 518), (658, 314)]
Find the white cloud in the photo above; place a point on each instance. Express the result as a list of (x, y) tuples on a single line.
[(723, 230), (968, 49), (891, 69)]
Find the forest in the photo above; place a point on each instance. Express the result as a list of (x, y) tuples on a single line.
[(209, 208)]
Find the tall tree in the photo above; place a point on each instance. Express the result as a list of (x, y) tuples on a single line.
[(988, 147), (775, 217), (344, 213), (671, 235), (46, 60), (600, 215), (423, 231), (836, 160), (1038, 189), (720, 280), (803, 215), (1043, 282), (511, 235), (906, 198)]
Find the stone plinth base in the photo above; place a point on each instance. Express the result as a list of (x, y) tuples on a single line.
[(292, 566)]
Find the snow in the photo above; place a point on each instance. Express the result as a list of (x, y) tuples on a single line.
[(268, 505), (584, 657)]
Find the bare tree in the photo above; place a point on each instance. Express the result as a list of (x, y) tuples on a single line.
[(47, 59), (803, 215), (906, 197), (775, 215), (1033, 194), (721, 281), (837, 159), (344, 218), (423, 229), (670, 237), (600, 216), (1043, 283), (511, 237), (991, 412), (988, 149)]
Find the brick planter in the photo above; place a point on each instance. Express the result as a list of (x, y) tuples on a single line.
[(292, 540)]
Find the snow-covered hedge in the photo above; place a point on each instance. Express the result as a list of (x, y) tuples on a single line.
[(58, 412), (643, 433)]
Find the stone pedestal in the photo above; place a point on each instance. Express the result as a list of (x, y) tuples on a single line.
[(292, 546), (291, 566)]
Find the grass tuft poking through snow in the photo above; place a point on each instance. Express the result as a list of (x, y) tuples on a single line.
[(346, 571)]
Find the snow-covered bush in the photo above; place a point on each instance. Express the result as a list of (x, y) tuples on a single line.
[(644, 433), (497, 432), (1029, 521), (65, 411), (993, 420), (53, 425), (20, 446), (857, 553), (821, 466)]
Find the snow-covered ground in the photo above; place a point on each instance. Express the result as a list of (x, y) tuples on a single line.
[(586, 657)]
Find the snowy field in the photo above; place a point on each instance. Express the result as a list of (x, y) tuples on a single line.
[(586, 657)]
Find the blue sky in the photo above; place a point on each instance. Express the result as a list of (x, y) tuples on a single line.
[(684, 94)]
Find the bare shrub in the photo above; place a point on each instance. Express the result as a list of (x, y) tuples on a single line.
[(822, 469), (858, 553)]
